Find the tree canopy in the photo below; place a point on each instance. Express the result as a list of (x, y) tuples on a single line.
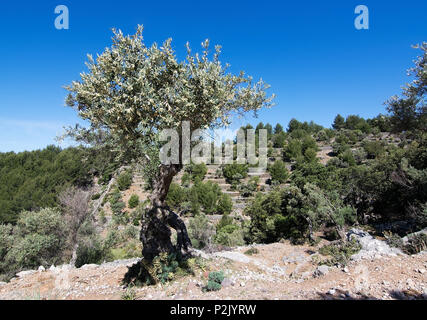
[(134, 91)]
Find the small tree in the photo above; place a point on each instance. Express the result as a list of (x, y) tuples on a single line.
[(133, 92), (279, 172), (339, 122), (410, 111), (133, 201)]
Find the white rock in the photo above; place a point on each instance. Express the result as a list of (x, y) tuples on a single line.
[(242, 284), (321, 271), (89, 266), (332, 291), (41, 269), (25, 273)]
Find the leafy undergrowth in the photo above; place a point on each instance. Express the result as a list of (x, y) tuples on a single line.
[(164, 268), (339, 253)]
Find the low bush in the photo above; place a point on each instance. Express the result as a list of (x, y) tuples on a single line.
[(214, 281), (124, 181), (339, 252), (278, 171), (200, 231), (133, 201), (251, 251), (234, 172), (37, 239)]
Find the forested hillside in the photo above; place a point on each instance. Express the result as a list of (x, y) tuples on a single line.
[(32, 180)]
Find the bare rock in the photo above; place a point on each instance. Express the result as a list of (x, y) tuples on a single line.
[(321, 271), (25, 273)]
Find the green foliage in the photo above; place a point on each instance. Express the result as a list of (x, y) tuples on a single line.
[(249, 188), (279, 139), (373, 149), (225, 204), (37, 239), (200, 231), (409, 112), (228, 233), (215, 279), (339, 252), (293, 213), (133, 201), (235, 172), (278, 171), (164, 268), (196, 171), (416, 243), (251, 251), (32, 180), (96, 196), (293, 150), (124, 181), (129, 294), (339, 122), (137, 86), (205, 196), (90, 250)]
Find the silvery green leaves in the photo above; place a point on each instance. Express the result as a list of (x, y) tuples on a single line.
[(135, 91)]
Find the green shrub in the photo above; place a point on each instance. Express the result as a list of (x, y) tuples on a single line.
[(339, 252), (37, 239), (235, 172), (293, 150), (231, 235), (176, 196), (90, 250), (294, 213), (225, 204), (251, 251), (214, 281), (124, 181), (278, 171), (248, 189), (96, 196), (416, 243), (129, 294), (200, 231), (133, 201), (373, 149), (310, 155), (197, 171)]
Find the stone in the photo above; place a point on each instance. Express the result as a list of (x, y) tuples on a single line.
[(52, 267), (345, 270), (89, 266), (41, 269), (226, 282), (332, 291), (371, 248), (25, 273), (321, 271), (242, 284)]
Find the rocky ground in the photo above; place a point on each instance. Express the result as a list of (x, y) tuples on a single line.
[(277, 271)]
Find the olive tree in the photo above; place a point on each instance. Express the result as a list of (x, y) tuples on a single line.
[(134, 91)]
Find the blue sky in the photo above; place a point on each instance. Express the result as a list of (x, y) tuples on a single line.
[(310, 53)]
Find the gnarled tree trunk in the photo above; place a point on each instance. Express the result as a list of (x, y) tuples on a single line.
[(155, 231)]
